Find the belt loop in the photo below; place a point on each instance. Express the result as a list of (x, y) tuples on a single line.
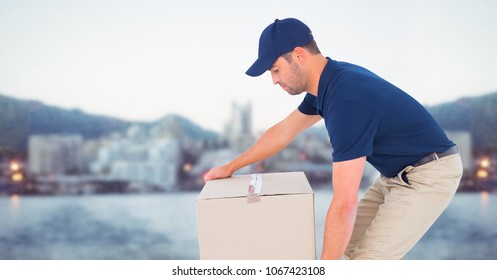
[(436, 156)]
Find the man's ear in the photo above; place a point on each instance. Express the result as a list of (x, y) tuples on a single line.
[(299, 55)]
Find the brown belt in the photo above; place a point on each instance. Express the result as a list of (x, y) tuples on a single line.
[(435, 156)]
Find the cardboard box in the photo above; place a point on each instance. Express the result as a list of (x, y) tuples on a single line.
[(236, 224)]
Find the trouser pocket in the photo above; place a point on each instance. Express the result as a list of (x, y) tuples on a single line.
[(403, 176)]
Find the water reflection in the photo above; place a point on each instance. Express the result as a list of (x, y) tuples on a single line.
[(484, 198), (14, 199)]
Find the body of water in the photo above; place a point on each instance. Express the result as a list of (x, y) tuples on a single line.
[(163, 226)]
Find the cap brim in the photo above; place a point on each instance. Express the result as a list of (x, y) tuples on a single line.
[(260, 66)]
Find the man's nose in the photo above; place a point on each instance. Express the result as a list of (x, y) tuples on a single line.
[(275, 78)]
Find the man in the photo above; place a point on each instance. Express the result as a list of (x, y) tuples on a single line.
[(368, 119)]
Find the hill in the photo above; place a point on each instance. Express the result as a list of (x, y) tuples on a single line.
[(21, 118), (477, 115)]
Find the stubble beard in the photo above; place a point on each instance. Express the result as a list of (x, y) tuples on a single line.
[(298, 80)]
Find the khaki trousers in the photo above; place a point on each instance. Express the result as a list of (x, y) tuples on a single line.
[(394, 215)]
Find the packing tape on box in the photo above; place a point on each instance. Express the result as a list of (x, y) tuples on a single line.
[(255, 189)]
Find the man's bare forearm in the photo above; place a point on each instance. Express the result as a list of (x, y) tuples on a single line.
[(338, 230), (342, 212), (271, 142)]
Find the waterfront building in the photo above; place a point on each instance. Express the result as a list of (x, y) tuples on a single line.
[(140, 160), (55, 154), (238, 131)]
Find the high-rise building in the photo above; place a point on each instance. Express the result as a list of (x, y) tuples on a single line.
[(55, 154), (238, 131)]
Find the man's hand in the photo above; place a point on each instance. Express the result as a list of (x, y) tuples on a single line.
[(217, 173)]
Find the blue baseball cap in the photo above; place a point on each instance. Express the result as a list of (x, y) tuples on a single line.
[(278, 38)]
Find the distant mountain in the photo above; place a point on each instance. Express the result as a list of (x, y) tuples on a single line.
[(477, 115), (180, 127), (21, 118)]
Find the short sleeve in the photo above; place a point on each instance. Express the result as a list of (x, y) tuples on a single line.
[(308, 105), (352, 128)]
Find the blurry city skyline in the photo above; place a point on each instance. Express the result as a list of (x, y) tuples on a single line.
[(139, 61)]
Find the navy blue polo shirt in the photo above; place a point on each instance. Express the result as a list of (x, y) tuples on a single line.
[(367, 116)]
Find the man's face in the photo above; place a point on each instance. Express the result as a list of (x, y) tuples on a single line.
[(289, 75)]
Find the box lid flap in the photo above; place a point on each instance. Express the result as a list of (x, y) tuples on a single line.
[(272, 184)]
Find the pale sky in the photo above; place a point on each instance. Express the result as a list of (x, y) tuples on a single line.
[(141, 60)]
